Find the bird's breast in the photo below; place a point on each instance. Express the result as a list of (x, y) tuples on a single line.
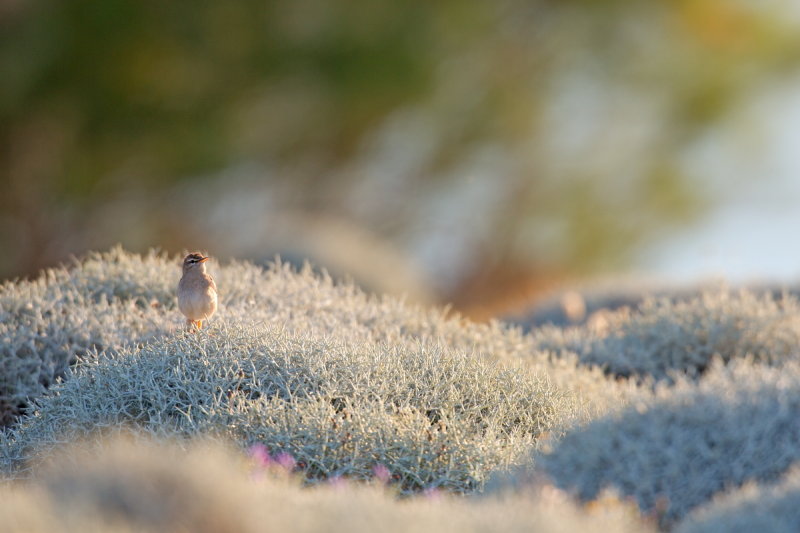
[(197, 302)]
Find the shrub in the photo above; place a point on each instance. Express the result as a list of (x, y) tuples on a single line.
[(48, 323), (116, 299), (665, 336), (437, 417), (687, 443), (339, 378), (754, 507), (124, 485)]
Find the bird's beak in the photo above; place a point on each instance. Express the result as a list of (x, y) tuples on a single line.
[(203, 260)]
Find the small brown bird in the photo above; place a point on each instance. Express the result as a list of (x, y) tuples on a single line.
[(197, 292)]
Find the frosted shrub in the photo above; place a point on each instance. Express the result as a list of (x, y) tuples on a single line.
[(687, 443), (665, 336), (116, 299), (48, 323), (340, 379), (774, 508), (436, 417)]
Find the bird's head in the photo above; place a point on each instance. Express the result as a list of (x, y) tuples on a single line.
[(194, 260)]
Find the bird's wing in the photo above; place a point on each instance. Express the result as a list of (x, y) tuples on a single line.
[(211, 281)]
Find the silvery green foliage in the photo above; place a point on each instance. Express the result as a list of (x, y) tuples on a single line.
[(688, 442), (46, 324), (340, 379), (753, 508), (666, 336)]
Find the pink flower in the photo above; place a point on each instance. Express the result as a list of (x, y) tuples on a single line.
[(337, 482), (259, 453), (381, 473), (285, 460), (432, 494)]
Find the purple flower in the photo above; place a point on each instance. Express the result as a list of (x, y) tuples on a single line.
[(381, 473)]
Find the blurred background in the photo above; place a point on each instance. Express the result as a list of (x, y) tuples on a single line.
[(473, 153)]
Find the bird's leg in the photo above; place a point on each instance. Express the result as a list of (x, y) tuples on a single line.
[(199, 324)]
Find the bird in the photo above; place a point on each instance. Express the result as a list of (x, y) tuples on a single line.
[(197, 292)]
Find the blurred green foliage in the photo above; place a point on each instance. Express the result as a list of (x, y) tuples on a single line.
[(582, 109), (167, 81)]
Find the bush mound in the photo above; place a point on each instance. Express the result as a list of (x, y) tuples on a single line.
[(340, 379), (667, 336), (434, 416), (348, 384), (124, 485), (764, 508), (46, 324), (116, 299), (687, 442)]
